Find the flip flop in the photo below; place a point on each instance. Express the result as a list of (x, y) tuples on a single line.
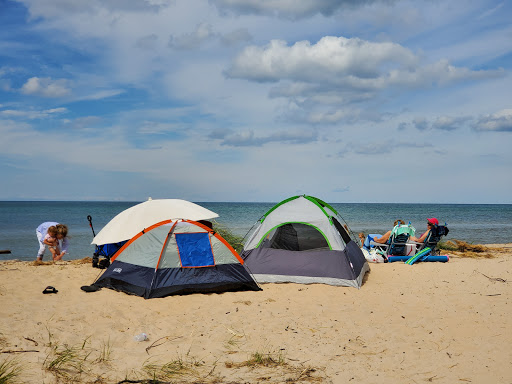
[(50, 289), (90, 288)]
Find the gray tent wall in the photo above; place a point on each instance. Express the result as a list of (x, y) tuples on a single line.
[(341, 263)]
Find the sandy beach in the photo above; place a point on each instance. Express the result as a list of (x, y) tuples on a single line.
[(429, 322)]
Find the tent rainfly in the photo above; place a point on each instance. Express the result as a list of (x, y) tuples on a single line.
[(134, 219)]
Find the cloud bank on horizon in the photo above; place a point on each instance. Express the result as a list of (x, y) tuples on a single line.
[(256, 100)]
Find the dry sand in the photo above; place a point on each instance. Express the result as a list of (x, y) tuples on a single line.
[(429, 322)]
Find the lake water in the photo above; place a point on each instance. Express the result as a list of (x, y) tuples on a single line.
[(474, 223)]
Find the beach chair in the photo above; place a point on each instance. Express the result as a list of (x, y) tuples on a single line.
[(433, 238), (398, 241)]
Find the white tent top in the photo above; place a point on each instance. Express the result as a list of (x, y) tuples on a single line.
[(134, 219), (298, 210)]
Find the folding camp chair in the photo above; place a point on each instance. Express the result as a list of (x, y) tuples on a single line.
[(398, 241), (433, 239)]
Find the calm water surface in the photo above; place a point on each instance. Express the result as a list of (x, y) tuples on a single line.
[(474, 223)]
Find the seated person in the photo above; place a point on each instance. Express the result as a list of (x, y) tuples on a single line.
[(430, 224), (366, 241), (362, 236), (384, 238)]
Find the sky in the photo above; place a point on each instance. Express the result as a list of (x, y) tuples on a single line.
[(256, 100)]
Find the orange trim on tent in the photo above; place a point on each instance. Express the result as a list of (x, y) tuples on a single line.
[(165, 245), (208, 229), (220, 238), (137, 236)]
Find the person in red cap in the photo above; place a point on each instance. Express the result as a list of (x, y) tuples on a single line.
[(430, 223)]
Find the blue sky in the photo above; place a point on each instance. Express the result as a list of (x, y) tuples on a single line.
[(256, 100)]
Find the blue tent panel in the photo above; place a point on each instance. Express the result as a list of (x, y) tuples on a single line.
[(108, 250), (195, 250)]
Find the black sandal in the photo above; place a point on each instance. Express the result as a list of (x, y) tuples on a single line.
[(50, 289), (90, 288)]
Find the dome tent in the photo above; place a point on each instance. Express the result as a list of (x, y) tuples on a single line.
[(176, 257), (131, 221), (302, 240)]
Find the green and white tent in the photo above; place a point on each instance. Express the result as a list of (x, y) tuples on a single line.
[(302, 240)]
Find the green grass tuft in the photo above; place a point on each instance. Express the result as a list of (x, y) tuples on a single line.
[(237, 242), (10, 371), (447, 246), (266, 359), (66, 362)]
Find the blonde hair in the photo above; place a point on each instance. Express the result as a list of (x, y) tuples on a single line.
[(401, 222), (52, 231), (62, 230)]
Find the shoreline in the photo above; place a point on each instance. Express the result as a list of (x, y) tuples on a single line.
[(494, 224), (445, 322)]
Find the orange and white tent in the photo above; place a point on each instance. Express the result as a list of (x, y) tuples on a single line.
[(176, 257)]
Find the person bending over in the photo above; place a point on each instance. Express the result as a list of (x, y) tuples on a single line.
[(62, 237)]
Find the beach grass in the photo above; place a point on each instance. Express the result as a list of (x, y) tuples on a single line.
[(10, 371), (179, 367), (66, 362), (463, 249), (267, 359), (237, 242), (105, 352), (273, 363), (261, 358)]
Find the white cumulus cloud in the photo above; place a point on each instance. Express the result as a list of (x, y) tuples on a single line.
[(499, 121), (46, 87), (338, 71)]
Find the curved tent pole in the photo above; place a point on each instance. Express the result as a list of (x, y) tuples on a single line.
[(320, 203), (326, 205), (257, 222), (316, 201), (278, 205), (120, 250), (218, 237), (161, 253), (165, 244)]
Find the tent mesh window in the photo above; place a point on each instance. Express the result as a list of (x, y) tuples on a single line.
[(296, 237)]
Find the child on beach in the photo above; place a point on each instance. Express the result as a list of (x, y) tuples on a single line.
[(50, 239), (61, 237), (362, 237)]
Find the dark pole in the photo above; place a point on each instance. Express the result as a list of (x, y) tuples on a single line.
[(90, 224)]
